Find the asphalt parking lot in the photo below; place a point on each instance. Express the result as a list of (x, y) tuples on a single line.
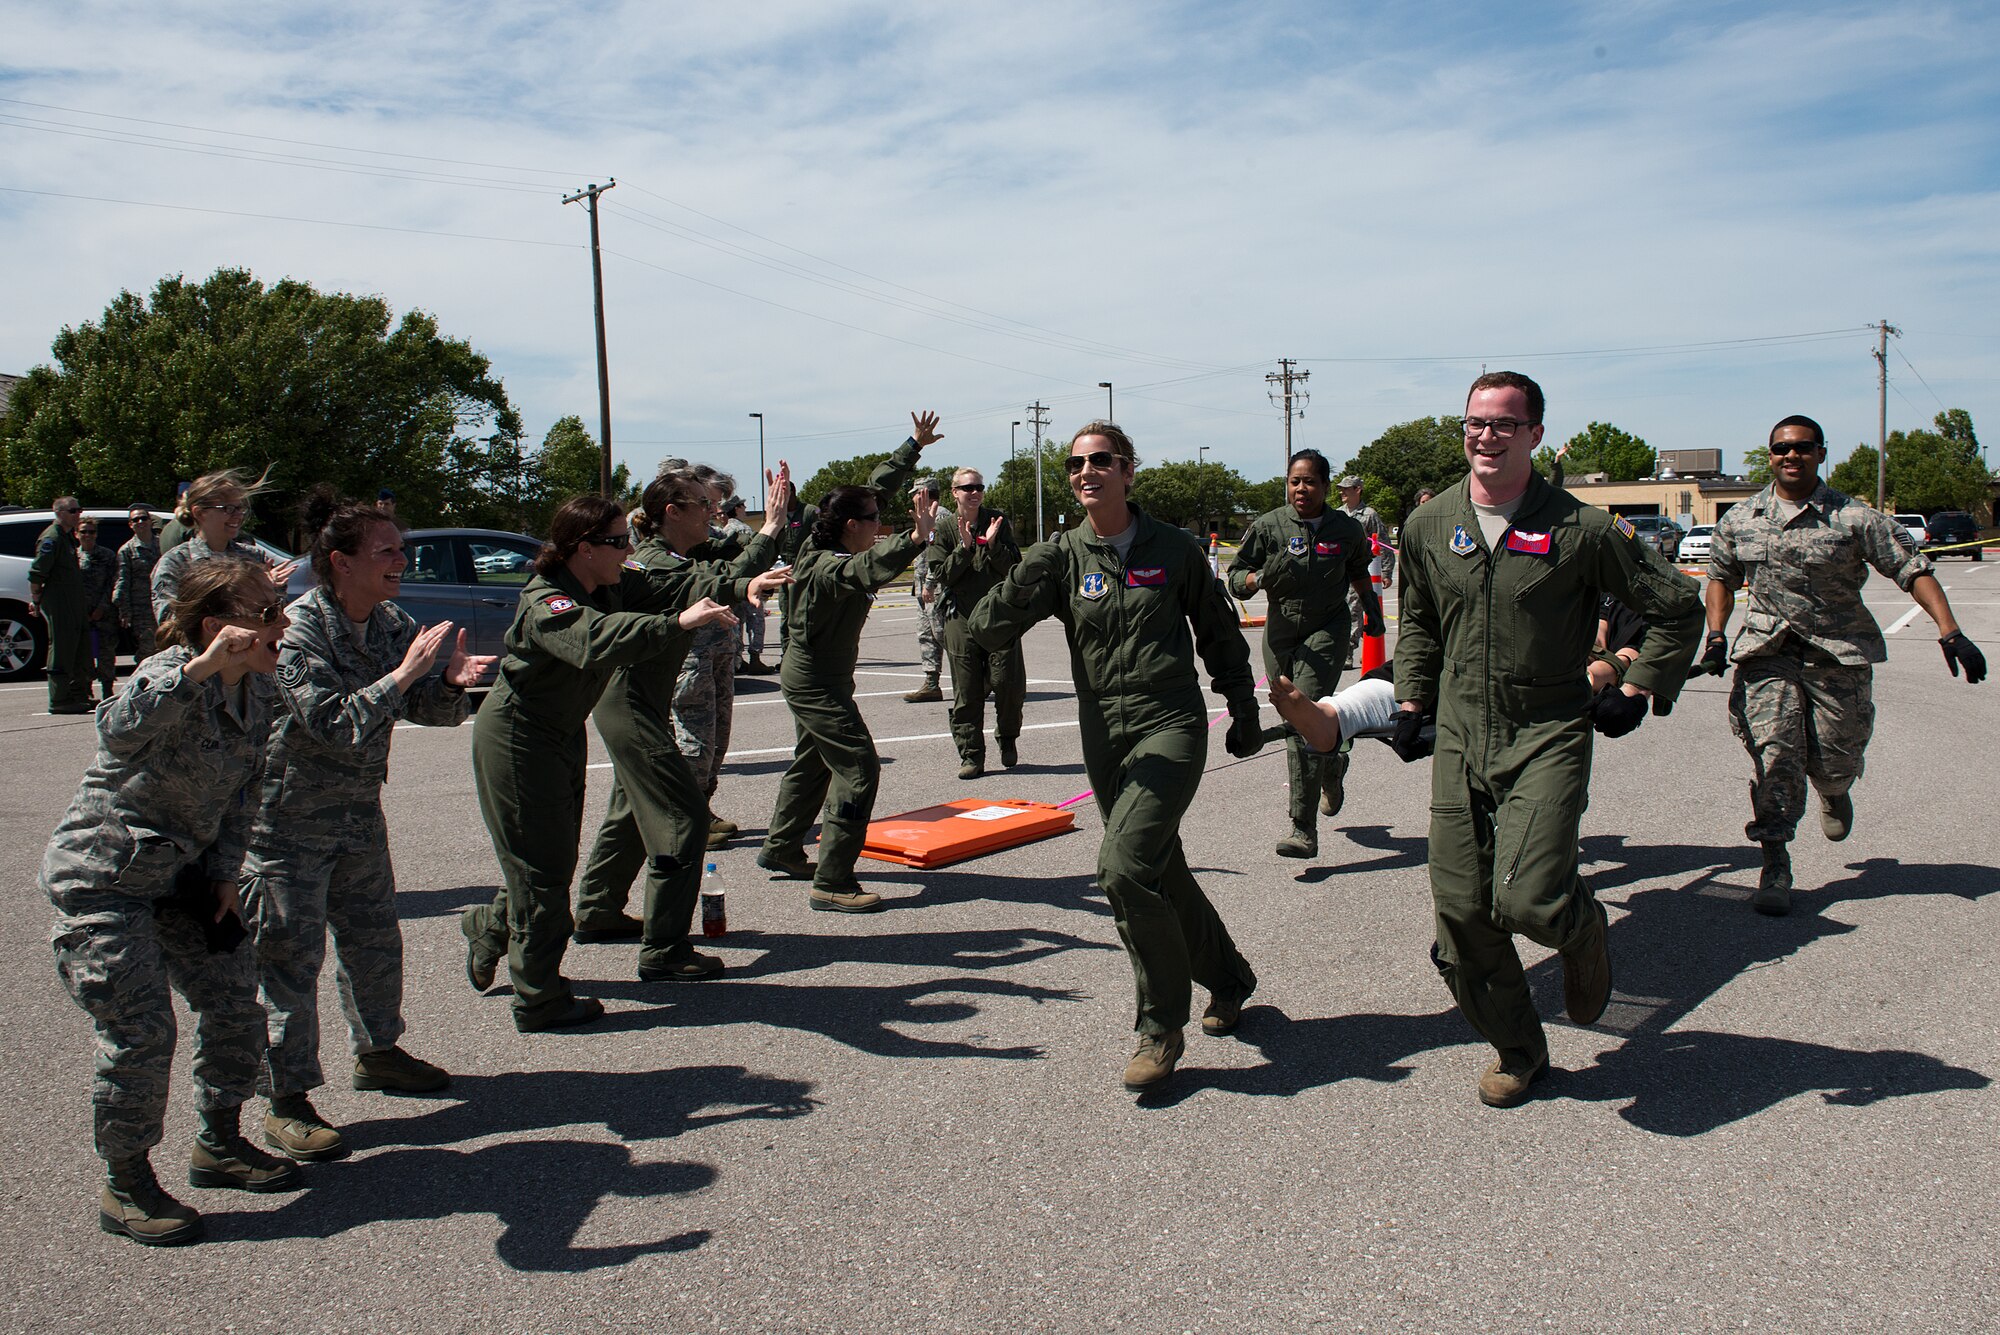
[(913, 1121)]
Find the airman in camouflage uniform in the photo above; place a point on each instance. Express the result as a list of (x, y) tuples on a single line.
[(1376, 531), (173, 785), (1802, 698), (705, 691), (174, 563), (927, 588), (98, 566), (319, 850), (132, 591)]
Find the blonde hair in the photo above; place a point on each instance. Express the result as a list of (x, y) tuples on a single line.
[(223, 487), (217, 587)]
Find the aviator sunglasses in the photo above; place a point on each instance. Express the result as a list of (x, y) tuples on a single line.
[(1098, 459)]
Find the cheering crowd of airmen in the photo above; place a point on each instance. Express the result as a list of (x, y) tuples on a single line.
[(235, 797)]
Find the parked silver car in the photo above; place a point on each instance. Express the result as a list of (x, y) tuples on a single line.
[(24, 639)]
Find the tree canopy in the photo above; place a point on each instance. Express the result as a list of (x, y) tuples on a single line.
[(1013, 492), (1193, 495), (319, 387), (1601, 448), (1426, 452), (1928, 470)]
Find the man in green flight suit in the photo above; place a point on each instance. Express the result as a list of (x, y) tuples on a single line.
[(972, 550), (55, 593), (1500, 584)]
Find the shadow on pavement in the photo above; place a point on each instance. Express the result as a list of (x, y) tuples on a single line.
[(541, 1191), (1077, 893), (857, 1015), (997, 948), (1399, 852)]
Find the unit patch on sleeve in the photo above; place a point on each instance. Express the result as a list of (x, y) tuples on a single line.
[(559, 602)]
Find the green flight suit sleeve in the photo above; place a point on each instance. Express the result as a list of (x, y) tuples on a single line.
[(870, 570), (1218, 635), (578, 634), (675, 588), (1637, 575), (893, 474), (1419, 636), (1249, 560), (1032, 591)]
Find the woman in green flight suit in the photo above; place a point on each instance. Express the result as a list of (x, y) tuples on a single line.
[(583, 615), (1127, 588), (658, 814), (1304, 556), (835, 766)]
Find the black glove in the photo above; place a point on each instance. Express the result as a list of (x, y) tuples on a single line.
[(1246, 732), (1958, 649), (1408, 739), (194, 896), (1715, 657), (1371, 618), (1615, 713)]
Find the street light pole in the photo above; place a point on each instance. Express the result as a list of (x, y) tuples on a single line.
[(762, 498), (1110, 413)]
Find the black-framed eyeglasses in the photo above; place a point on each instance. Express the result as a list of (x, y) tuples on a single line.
[(1783, 447), (1098, 459), (969, 486), (231, 510), (1501, 427), (619, 540)]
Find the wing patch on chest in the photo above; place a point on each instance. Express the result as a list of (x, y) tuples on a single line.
[(1534, 544), (1327, 548), (1146, 577)]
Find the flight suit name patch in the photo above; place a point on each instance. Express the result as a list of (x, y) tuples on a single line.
[(1152, 577), (559, 602), (1094, 585), (1327, 548), (1297, 546), (1461, 542), (1534, 544)]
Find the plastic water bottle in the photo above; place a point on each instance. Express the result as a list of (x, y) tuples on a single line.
[(714, 914)]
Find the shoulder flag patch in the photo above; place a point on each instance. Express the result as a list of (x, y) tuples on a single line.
[(1624, 526), (1462, 543), (559, 602), (1534, 544)]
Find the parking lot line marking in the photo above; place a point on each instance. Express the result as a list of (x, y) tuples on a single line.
[(879, 741), (1910, 615)]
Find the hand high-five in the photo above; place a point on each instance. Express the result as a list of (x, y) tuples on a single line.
[(926, 430)]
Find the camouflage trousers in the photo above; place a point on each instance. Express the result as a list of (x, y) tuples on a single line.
[(145, 638), (338, 877), (930, 635), (750, 629), (705, 706), (119, 961), (103, 638), (1802, 722)]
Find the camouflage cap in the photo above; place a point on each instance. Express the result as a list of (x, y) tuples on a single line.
[(1351, 480)]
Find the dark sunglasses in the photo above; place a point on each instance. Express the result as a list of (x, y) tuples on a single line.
[(1796, 446), (969, 486), (868, 518), (619, 540), (263, 616), (1098, 459)]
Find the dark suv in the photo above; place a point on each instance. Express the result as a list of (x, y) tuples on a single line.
[(1657, 531), (1952, 528)]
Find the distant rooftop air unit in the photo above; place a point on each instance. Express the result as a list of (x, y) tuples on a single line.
[(1691, 463)]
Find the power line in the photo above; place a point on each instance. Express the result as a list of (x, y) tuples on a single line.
[(1814, 336), (1920, 378), (285, 217), (566, 173)]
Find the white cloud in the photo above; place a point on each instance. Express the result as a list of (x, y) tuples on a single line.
[(1213, 187)]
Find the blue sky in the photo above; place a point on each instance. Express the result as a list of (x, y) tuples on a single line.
[(833, 213)]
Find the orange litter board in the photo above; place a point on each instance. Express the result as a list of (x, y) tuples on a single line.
[(954, 831)]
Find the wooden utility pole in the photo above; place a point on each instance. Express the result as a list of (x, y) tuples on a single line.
[(1882, 331), (589, 196), (1038, 421), (1291, 388)]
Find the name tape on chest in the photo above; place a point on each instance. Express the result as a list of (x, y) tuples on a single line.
[(1534, 544), (559, 603)]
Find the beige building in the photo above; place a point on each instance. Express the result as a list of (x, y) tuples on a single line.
[(1699, 500)]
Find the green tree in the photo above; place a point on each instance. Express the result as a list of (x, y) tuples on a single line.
[(1263, 497), (1854, 475), (567, 465), (231, 373), (1928, 470), (1757, 468), (1426, 452), (1013, 492), (1602, 448), (1190, 494)]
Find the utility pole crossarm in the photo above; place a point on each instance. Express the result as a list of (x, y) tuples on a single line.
[(589, 197), (1291, 390), (1882, 331)]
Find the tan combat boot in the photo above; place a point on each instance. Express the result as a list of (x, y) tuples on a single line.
[(297, 1131), (1153, 1063), (222, 1158), (133, 1204), (1508, 1080), (396, 1071)]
